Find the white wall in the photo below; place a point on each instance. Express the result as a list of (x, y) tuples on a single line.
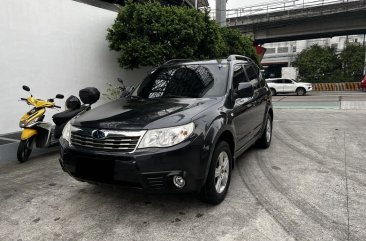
[(53, 47)]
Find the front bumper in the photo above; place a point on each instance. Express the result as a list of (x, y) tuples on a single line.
[(150, 169)]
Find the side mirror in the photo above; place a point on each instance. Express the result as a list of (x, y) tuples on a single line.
[(59, 96), (26, 88), (245, 90)]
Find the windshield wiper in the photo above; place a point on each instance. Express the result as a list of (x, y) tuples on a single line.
[(135, 97), (174, 96)]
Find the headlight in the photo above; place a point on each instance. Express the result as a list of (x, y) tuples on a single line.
[(66, 132), (32, 122), (166, 137), (22, 124)]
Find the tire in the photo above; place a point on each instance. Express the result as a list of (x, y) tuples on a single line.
[(220, 172), (25, 149), (265, 140), (300, 91), (273, 92)]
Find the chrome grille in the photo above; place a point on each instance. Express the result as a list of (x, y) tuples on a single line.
[(124, 141)]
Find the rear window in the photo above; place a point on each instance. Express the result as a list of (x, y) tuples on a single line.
[(186, 81)]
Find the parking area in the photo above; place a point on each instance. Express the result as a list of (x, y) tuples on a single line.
[(309, 185)]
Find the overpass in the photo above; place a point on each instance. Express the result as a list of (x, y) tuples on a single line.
[(299, 20)]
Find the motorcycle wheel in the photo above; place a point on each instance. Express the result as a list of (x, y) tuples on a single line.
[(25, 149)]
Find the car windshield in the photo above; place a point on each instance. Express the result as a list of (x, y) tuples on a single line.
[(185, 81)]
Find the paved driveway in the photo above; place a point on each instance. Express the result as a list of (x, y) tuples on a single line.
[(309, 185)]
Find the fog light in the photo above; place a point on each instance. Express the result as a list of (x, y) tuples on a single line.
[(179, 181)]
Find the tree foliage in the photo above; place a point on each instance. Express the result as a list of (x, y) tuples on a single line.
[(149, 34), (352, 59), (236, 43), (323, 64), (317, 63)]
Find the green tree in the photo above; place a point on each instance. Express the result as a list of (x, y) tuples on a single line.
[(149, 34), (236, 43), (352, 59), (319, 64)]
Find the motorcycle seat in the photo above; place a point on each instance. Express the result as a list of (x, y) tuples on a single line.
[(67, 115)]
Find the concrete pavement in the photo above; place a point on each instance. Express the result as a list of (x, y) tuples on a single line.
[(309, 185), (345, 100)]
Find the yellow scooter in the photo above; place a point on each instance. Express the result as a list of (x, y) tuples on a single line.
[(34, 129)]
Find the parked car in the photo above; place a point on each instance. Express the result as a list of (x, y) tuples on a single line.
[(363, 84), (285, 86), (179, 131)]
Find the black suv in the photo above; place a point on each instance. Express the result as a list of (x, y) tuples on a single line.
[(180, 130)]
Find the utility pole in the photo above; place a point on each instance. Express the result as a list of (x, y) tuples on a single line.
[(221, 12), (196, 4)]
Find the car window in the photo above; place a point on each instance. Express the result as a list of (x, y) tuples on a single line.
[(262, 81), (278, 81), (190, 81), (238, 76), (287, 81), (252, 74)]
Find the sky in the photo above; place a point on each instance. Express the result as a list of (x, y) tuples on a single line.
[(238, 3)]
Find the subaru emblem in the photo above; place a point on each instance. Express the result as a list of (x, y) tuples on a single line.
[(98, 134)]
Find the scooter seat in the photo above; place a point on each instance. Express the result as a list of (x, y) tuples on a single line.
[(67, 115)]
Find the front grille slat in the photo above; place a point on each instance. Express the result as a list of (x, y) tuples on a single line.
[(125, 141), (113, 139), (105, 142)]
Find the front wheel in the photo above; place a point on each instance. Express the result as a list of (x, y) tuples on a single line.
[(265, 140), (218, 179), (300, 91), (25, 149), (273, 92)]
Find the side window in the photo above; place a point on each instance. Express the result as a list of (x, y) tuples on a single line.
[(252, 76), (278, 81), (262, 80), (287, 81), (238, 76)]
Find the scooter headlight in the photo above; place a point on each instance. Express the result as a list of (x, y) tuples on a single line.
[(66, 132), (22, 124)]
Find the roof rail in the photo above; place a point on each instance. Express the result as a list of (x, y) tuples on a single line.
[(239, 57), (177, 61)]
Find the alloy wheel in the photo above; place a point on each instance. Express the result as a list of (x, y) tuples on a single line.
[(222, 172)]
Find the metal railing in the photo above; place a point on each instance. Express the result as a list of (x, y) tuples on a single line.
[(279, 6)]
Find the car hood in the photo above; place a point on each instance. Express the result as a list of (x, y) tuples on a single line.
[(140, 114)]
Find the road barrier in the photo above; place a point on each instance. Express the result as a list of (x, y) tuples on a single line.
[(346, 86)]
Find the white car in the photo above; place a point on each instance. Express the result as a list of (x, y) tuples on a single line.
[(282, 86)]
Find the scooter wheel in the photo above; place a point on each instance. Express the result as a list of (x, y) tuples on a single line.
[(24, 149)]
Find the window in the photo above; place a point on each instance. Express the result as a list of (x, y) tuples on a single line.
[(190, 81), (270, 50), (334, 46), (282, 50), (277, 81), (287, 81), (238, 76), (252, 74)]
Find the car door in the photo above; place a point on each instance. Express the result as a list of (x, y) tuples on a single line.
[(242, 108), (288, 86), (278, 83), (259, 100)]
